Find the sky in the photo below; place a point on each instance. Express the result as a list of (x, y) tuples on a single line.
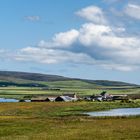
[(91, 39)]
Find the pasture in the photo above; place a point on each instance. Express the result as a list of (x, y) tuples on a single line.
[(61, 121), (20, 92)]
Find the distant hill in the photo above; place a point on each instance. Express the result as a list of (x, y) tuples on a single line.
[(32, 76), (11, 78)]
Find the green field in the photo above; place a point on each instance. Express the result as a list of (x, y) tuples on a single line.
[(64, 121), (20, 84), (20, 92)]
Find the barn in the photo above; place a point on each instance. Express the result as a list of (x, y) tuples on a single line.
[(63, 99), (42, 99), (38, 99)]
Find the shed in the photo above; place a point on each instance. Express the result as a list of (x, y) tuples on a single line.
[(38, 99), (50, 99), (119, 97), (63, 98), (98, 98)]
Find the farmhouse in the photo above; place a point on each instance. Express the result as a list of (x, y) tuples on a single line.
[(106, 96), (64, 98), (72, 95), (103, 96)]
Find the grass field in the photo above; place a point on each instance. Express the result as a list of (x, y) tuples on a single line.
[(64, 121), (20, 92)]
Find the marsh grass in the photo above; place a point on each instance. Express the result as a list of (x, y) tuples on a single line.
[(64, 121)]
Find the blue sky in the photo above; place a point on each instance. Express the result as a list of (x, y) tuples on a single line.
[(74, 38)]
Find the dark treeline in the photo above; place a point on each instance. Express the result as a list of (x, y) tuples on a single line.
[(6, 84)]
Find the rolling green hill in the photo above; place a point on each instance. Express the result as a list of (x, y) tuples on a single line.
[(24, 79)]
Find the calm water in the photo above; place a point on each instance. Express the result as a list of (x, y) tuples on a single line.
[(8, 100), (116, 112), (11, 100)]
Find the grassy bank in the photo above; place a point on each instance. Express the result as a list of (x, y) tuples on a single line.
[(70, 129), (51, 121)]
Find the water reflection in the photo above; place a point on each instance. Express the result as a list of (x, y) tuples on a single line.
[(11, 100), (116, 112)]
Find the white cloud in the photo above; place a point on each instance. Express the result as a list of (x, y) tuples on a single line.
[(96, 42), (133, 11), (93, 14), (64, 39), (90, 33), (51, 56), (102, 38), (32, 18), (103, 48)]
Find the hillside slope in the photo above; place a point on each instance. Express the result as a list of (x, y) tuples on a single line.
[(11, 78)]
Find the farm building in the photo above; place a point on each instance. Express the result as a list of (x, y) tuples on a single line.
[(43, 99), (64, 98), (119, 97), (98, 98), (72, 95), (94, 98), (50, 99), (106, 96), (88, 98), (38, 99)]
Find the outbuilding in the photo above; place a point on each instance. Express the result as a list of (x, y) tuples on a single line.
[(38, 99), (50, 99), (63, 99)]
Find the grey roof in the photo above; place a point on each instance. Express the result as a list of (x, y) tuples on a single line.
[(51, 99), (65, 98), (40, 98), (69, 94)]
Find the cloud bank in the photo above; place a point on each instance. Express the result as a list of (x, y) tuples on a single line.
[(96, 42)]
